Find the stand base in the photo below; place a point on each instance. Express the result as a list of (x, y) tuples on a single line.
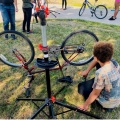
[(50, 103), (41, 63)]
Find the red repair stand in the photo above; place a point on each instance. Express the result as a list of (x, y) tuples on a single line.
[(47, 64)]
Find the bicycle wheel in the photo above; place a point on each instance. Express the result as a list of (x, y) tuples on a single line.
[(77, 48), (15, 48), (101, 11), (82, 9)]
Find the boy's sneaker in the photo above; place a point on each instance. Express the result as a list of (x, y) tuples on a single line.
[(29, 32), (13, 36), (112, 18), (6, 36)]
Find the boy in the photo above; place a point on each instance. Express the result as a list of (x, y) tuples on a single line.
[(105, 88)]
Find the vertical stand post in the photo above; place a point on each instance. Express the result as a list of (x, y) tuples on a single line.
[(46, 59)]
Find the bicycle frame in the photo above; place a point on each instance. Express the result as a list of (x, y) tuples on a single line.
[(21, 58), (31, 70), (90, 6)]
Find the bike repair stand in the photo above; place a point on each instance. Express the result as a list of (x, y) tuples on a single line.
[(52, 12), (47, 64)]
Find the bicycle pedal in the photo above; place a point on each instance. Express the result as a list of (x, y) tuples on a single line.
[(66, 79), (66, 52)]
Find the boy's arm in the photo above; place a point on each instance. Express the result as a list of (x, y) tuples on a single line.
[(92, 97), (16, 7), (91, 65)]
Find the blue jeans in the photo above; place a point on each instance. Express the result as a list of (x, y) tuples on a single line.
[(0, 6), (8, 16)]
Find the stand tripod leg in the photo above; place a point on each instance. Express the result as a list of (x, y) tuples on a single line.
[(53, 14), (51, 11), (38, 111), (51, 111), (54, 11), (29, 99), (77, 110)]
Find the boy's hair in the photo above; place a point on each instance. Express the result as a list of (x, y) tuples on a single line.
[(103, 51)]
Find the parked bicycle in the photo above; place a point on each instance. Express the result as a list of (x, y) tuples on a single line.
[(100, 11)]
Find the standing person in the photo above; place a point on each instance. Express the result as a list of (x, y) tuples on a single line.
[(117, 4), (105, 87), (8, 8), (34, 12), (64, 2), (27, 11)]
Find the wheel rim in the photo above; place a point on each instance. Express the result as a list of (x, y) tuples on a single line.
[(100, 12), (80, 40), (82, 9), (14, 45)]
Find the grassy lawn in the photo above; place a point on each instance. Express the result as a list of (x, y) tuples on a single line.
[(78, 3), (13, 80)]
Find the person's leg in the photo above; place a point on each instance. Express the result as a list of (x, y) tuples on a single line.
[(29, 14), (35, 1), (36, 17), (65, 4), (24, 20), (5, 17), (62, 4), (85, 88), (117, 4), (12, 16)]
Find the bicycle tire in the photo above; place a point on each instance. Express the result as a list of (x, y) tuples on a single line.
[(101, 11), (11, 41), (79, 39), (82, 9)]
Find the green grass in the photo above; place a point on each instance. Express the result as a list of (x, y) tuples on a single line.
[(78, 3), (13, 80)]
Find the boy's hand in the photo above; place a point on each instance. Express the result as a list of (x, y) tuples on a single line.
[(83, 107), (16, 9), (83, 73)]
